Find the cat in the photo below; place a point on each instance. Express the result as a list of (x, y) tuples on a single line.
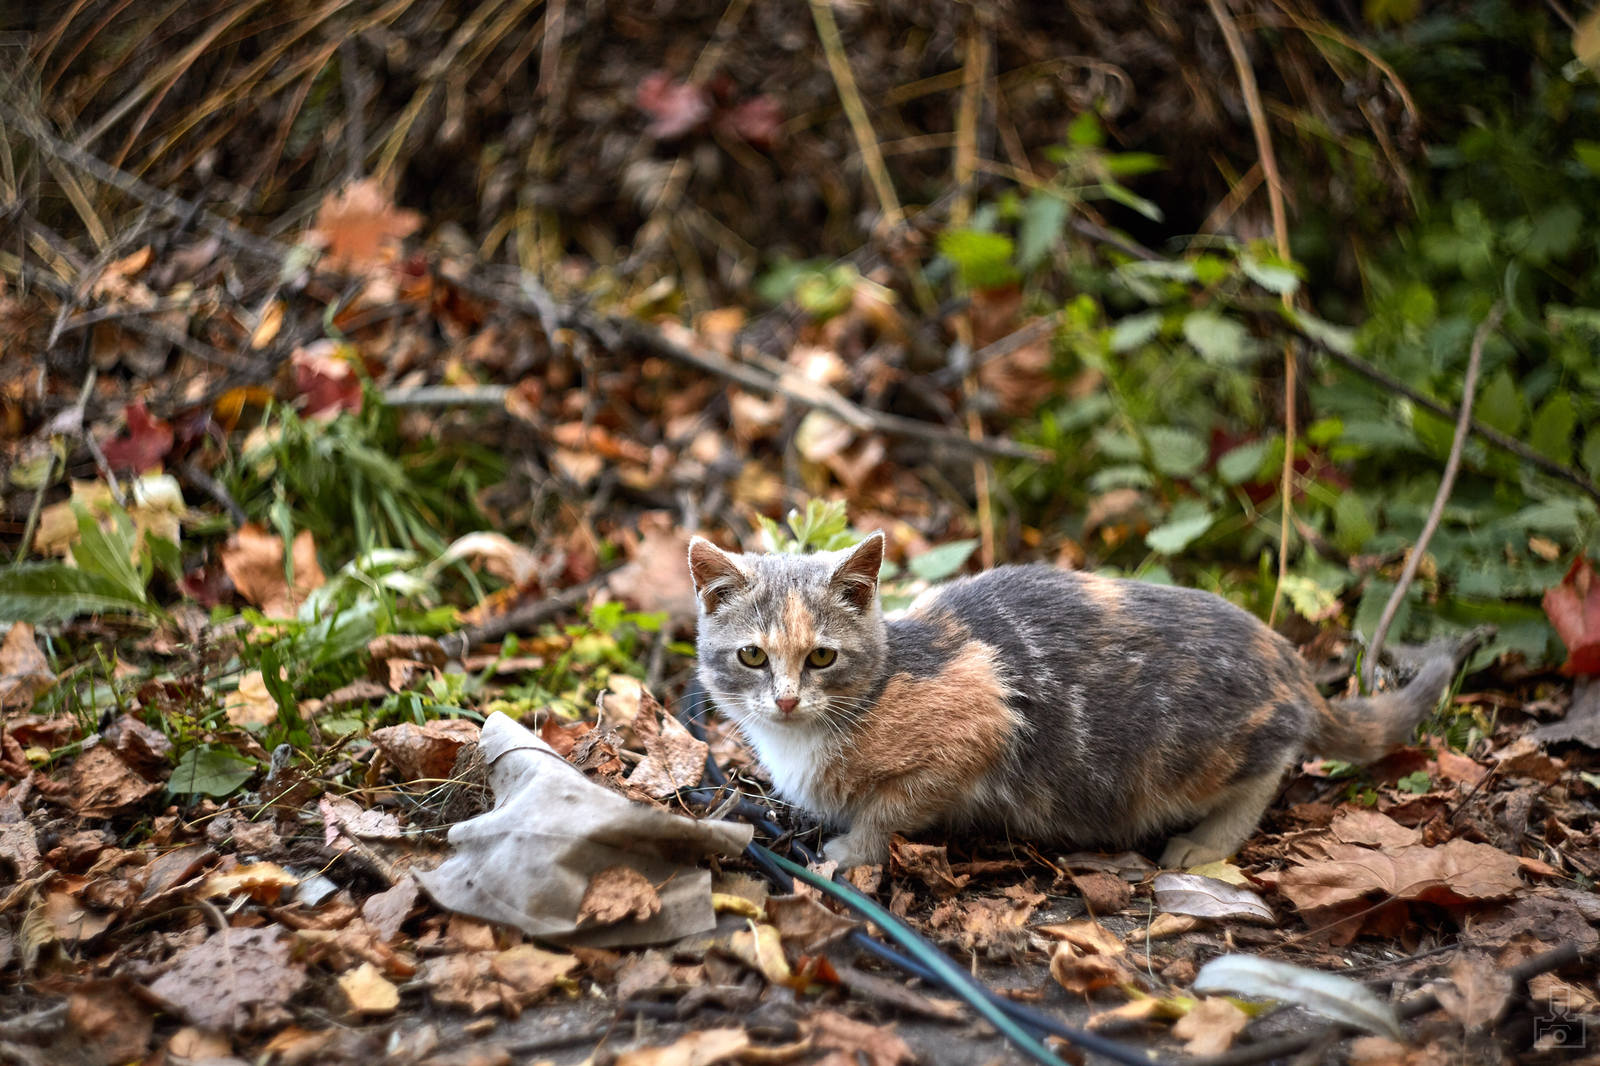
[(1046, 704)]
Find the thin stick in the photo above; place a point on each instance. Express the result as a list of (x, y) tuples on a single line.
[(1280, 229), (975, 71), (1408, 573), (850, 96)]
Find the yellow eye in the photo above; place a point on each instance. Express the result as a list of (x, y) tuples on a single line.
[(752, 656), (821, 657)]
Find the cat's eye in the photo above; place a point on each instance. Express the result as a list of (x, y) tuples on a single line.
[(752, 656), (821, 657)]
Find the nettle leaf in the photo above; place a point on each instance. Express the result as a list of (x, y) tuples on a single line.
[(1338, 338), (1176, 452), (1219, 339), (1309, 599), (1501, 405), (1242, 464), (1209, 270), (1121, 476), (210, 772), (1135, 330), (1353, 523), (1553, 425), (1185, 524), (1275, 277), (983, 259), (56, 592), (936, 564), (1044, 217), (1591, 452)]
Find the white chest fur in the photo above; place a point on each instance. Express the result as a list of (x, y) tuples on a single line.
[(794, 755)]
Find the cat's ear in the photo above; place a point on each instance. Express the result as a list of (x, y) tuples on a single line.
[(856, 578), (716, 574)]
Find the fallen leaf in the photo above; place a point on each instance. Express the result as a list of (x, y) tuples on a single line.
[(1207, 897), (368, 991), (251, 705), (702, 1048), (1083, 974), (1582, 721), (426, 752), (655, 577), (73, 921), (386, 911), (1103, 893), (359, 227), (803, 921), (1573, 607), (854, 1043), (675, 107), (928, 863), (325, 379), (101, 784), (1476, 992), (673, 760), (146, 750), (1209, 1028), (1363, 825), (236, 979), (617, 894), (496, 553), (25, 673), (106, 1025), (511, 979), (253, 559), (142, 445), (263, 882), (761, 948), (1085, 936), (1457, 871)]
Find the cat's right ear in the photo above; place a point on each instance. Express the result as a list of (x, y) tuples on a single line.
[(856, 578), (716, 574)]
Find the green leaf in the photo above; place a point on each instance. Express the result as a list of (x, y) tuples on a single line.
[(1309, 599), (1085, 130), (1352, 522), (209, 771), (1219, 339), (1591, 452), (1243, 463), (1044, 216), (1335, 337), (1588, 153), (55, 592), (1131, 332), (1176, 452), (1184, 525), (936, 564), (1131, 200), (1121, 476), (983, 259), (1275, 277), (1501, 405), (1416, 783), (109, 553), (1553, 425), (1210, 270)]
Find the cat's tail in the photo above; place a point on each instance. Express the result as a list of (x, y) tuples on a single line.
[(1362, 729)]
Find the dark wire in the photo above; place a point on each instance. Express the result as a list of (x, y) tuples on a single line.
[(694, 707)]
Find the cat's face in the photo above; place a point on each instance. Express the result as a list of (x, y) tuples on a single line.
[(789, 639)]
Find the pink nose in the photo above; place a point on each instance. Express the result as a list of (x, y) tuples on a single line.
[(787, 704)]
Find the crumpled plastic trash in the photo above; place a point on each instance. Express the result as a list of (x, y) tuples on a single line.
[(527, 861)]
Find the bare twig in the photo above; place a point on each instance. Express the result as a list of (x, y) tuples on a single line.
[(1280, 229), (1408, 573), (975, 71), (1487, 433), (856, 111)]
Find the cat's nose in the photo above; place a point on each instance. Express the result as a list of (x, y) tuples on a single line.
[(787, 703)]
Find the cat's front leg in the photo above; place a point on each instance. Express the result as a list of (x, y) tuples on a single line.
[(866, 844)]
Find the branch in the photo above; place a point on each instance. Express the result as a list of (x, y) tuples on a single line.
[(1408, 573)]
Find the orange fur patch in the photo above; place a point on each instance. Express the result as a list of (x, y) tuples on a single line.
[(796, 632), (925, 745), (1105, 592)]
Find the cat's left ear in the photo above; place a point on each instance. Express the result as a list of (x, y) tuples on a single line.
[(716, 574), (856, 579)]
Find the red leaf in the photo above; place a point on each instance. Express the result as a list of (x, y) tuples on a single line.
[(327, 384), (144, 444), (757, 120), (1574, 610), (677, 107)]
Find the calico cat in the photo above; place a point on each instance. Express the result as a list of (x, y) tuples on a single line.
[(1046, 704)]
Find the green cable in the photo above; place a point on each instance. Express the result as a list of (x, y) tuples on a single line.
[(958, 979)]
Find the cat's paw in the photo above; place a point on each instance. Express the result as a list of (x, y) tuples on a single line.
[(857, 848), (1182, 853)]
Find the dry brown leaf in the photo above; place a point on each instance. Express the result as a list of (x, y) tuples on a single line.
[(100, 784), (673, 760), (854, 1043), (263, 882), (25, 673), (428, 751), (236, 979), (804, 922), (359, 228), (618, 894), (929, 863), (1363, 825), (761, 948), (512, 979), (145, 749), (703, 1048), (71, 920), (656, 578), (1082, 974), (994, 925), (106, 1025), (386, 911), (253, 559), (495, 553), (1477, 991), (1457, 871), (368, 991), (1086, 936), (1210, 1027), (1207, 897), (251, 705), (1102, 893)]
